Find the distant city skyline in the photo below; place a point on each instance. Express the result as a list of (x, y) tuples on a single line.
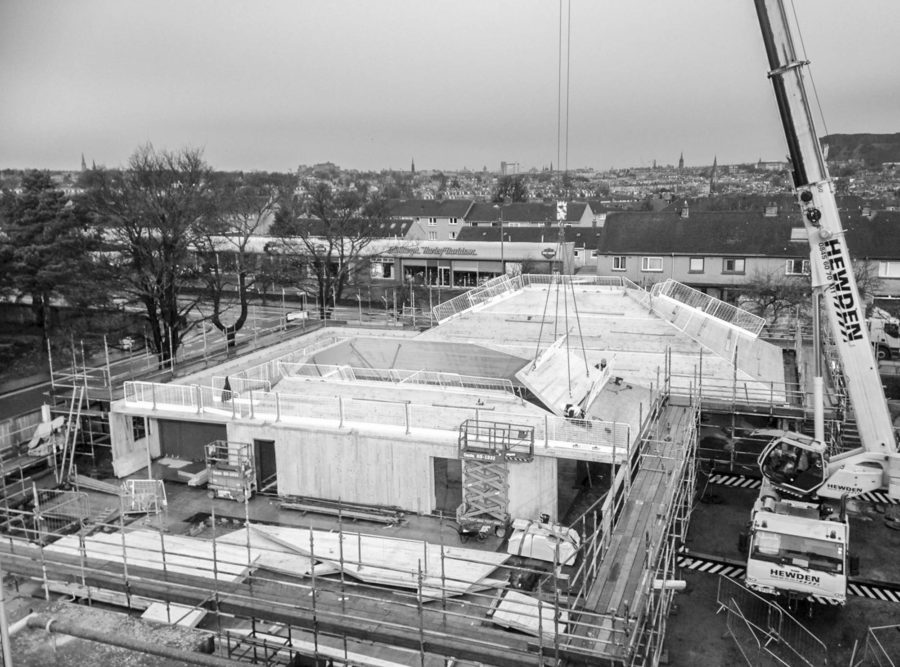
[(369, 86)]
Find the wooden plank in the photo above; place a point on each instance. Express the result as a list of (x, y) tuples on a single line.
[(272, 556), (171, 553), (392, 561)]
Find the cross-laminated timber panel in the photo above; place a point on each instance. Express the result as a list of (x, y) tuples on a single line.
[(385, 468)]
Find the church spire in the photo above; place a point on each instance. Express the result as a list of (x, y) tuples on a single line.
[(681, 161)]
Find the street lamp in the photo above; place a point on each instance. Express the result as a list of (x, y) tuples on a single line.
[(500, 220)]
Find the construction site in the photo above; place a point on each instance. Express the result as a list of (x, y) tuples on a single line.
[(512, 486)]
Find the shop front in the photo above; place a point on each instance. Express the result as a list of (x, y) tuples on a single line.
[(466, 264)]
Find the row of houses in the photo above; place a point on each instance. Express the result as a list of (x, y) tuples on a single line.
[(460, 243)]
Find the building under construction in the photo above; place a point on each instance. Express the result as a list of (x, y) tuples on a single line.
[(508, 487)]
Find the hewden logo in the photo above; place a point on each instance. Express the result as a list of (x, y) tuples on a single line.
[(842, 487), (838, 275), (799, 577)]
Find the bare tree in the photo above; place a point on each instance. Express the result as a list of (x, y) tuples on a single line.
[(867, 281), (772, 294), (332, 239), (151, 210), (227, 261)]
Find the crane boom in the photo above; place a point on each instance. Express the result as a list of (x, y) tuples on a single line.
[(830, 261), (798, 548)]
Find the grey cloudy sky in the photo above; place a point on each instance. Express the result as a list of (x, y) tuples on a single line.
[(271, 84)]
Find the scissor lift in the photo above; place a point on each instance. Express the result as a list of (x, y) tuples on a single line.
[(486, 449), (232, 474)]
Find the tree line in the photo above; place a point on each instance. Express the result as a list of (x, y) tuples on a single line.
[(166, 232)]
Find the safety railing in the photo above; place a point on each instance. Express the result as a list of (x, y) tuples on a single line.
[(504, 284), (394, 376), (58, 510), (738, 391), (882, 647), (240, 384), (541, 279), (271, 370), (709, 305), (780, 636), (476, 296), (216, 565), (640, 632), (582, 438)]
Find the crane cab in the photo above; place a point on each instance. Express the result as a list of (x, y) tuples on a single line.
[(793, 462)]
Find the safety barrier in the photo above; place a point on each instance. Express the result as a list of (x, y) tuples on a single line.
[(882, 647), (592, 438), (709, 305), (394, 375), (56, 510), (777, 634), (474, 297), (501, 285)]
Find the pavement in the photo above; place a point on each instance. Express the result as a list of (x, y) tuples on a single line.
[(14, 384)]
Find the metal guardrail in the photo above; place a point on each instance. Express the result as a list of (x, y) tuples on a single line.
[(778, 635), (505, 284), (481, 294), (709, 305), (393, 375), (604, 439), (882, 647)]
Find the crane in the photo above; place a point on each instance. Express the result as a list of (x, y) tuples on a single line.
[(795, 546)]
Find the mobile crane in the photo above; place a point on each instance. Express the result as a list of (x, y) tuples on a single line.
[(794, 547)]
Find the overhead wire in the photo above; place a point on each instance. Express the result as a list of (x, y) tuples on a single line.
[(562, 168), (812, 79)]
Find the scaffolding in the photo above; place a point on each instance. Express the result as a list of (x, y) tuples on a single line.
[(325, 610)]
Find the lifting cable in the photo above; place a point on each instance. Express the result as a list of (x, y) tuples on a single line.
[(812, 80), (562, 167)]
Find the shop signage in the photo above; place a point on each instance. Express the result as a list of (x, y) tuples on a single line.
[(440, 252), (548, 253)]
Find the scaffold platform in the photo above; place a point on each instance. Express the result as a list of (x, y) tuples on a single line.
[(625, 601)]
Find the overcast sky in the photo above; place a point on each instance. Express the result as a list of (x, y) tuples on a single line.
[(272, 84)]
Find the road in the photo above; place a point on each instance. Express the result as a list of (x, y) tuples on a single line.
[(26, 399)]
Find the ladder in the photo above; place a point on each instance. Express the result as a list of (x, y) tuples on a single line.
[(73, 427)]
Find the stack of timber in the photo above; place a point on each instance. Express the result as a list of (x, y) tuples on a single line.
[(443, 571), (352, 511), (167, 553), (195, 478)]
